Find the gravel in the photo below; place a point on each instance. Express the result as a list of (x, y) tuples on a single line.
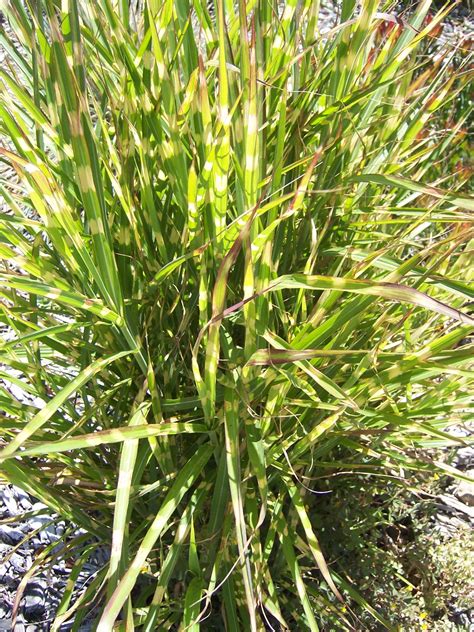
[(10, 535), (21, 541)]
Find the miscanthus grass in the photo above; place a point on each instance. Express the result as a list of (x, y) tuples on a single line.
[(236, 258)]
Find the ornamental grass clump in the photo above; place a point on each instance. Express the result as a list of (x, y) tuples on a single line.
[(235, 260)]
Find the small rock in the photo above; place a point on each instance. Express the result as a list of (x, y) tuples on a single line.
[(464, 458), (23, 498), (38, 522), (4, 548), (33, 603), (51, 533), (454, 506), (18, 563), (58, 583), (89, 568), (463, 620), (443, 526), (5, 608), (60, 529), (25, 504), (10, 535), (60, 568), (9, 501), (11, 579), (28, 560), (465, 490)]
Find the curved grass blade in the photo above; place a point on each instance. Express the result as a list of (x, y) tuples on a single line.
[(389, 180), (58, 400), (184, 480), (107, 437)]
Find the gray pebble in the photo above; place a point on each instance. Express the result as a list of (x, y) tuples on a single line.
[(465, 491), (464, 620), (28, 560), (11, 578), (35, 544), (60, 568), (34, 599), (58, 583), (5, 608), (4, 548), (10, 535), (25, 504), (18, 563), (38, 522), (23, 498), (52, 534), (9, 501), (464, 458)]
